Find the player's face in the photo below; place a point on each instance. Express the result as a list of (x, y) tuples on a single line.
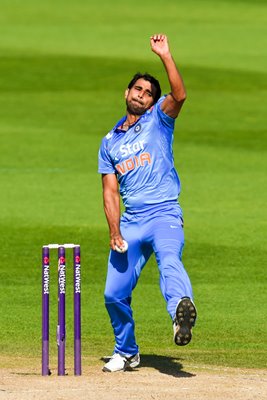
[(140, 97)]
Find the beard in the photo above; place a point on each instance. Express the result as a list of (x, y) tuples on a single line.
[(135, 107)]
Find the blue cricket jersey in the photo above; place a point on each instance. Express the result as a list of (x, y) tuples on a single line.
[(142, 159)]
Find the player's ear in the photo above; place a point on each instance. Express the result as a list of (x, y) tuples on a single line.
[(126, 93)]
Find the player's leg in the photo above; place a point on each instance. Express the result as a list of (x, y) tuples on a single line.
[(123, 272), (168, 242), (117, 294)]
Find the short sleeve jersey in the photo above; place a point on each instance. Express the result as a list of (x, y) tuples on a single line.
[(142, 159)]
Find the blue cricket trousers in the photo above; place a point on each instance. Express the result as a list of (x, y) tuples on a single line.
[(157, 230)]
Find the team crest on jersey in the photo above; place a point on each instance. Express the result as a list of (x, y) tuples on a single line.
[(137, 128)]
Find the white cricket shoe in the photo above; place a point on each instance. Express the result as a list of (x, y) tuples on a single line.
[(119, 362), (183, 322)]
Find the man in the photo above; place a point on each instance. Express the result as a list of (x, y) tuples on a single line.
[(136, 156)]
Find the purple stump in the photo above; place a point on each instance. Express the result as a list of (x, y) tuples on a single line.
[(45, 311), (77, 310), (61, 329)]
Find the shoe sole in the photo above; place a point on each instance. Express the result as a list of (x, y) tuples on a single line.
[(105, 369), (186, 315), (132, 364)]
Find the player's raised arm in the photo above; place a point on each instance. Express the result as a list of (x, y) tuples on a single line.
[(174, 100)]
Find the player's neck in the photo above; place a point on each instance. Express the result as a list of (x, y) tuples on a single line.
[(130, 120)]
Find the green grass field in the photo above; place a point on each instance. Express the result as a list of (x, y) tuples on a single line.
[(64, 66)]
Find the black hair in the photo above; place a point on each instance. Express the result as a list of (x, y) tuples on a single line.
[(149, 78)]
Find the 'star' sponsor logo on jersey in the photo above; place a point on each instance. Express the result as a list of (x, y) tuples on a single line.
[(127, 149)]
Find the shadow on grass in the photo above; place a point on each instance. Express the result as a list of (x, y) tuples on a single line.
[(165, 365)]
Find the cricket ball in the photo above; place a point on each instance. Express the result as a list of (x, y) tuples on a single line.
[(122, 249)]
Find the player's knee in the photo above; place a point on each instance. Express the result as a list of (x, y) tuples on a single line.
[(114, 296), (170, 261), (110, 296)]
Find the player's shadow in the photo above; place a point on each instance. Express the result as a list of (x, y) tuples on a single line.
[(165, 365)]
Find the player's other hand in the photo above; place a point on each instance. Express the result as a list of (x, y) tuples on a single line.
[(159, 44)]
